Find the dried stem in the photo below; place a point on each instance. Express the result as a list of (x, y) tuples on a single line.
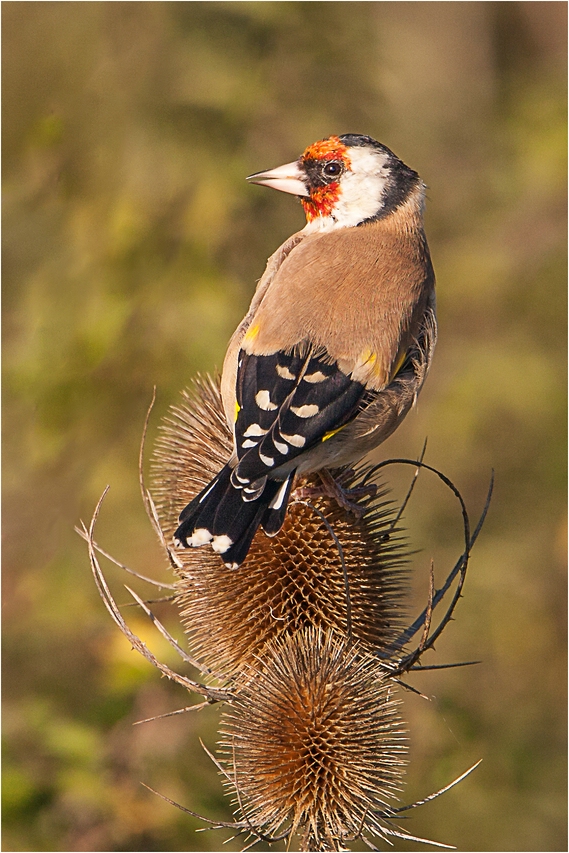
[(211, 693)]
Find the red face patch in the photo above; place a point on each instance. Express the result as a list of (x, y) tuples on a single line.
[(328, 149), (323, 199)]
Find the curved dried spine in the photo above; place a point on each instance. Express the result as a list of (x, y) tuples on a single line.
[(84, 533), (212, 694), (407, 662)]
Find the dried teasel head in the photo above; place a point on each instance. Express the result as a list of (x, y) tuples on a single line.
[(312, 742), (308, 635), (326, 567)]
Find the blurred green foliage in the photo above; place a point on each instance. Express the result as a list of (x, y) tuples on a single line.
[(131, 248)]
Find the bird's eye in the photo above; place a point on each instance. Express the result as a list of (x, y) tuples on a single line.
[(332, 169)]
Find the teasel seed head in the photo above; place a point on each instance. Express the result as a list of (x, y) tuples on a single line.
[(313, 743), (327, 567)]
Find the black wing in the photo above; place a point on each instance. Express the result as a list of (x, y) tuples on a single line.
[(286, 404)]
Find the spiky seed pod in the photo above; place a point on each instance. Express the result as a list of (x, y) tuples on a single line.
[(326, 567), (313, 741)]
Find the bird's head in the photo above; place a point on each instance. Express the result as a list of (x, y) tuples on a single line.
[(344, 180)]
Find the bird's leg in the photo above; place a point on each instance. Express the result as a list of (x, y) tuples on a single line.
[(331, 488), (344, 497)]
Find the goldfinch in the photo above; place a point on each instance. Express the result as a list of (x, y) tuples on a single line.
[(336, 343)]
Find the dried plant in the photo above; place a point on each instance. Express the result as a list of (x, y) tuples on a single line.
[(305, 644), (313, 741), (326, 567)]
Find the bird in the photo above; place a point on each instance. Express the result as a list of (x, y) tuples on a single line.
[(336, 343)]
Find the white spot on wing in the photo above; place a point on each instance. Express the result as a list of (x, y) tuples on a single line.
[(281, 447), (250, 443), (263, 400), (204, 496), (284, 372), (317, 376), (294, 440), (305, 411), (201, 536), (254, 429), (278, 499), (267, 460), (221, 544)]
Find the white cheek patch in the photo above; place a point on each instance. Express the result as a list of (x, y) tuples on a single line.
[(362, 191)]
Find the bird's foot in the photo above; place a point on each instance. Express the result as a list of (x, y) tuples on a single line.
[(331, 488)]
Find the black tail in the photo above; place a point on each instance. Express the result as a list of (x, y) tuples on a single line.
[(220, 515)]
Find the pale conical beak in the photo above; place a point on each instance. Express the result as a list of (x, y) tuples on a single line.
[(287, 178)]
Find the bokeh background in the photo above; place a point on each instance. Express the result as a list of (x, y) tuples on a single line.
[(131, 248)]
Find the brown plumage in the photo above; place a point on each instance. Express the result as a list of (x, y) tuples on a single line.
[(341, 307), (341, 326)]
